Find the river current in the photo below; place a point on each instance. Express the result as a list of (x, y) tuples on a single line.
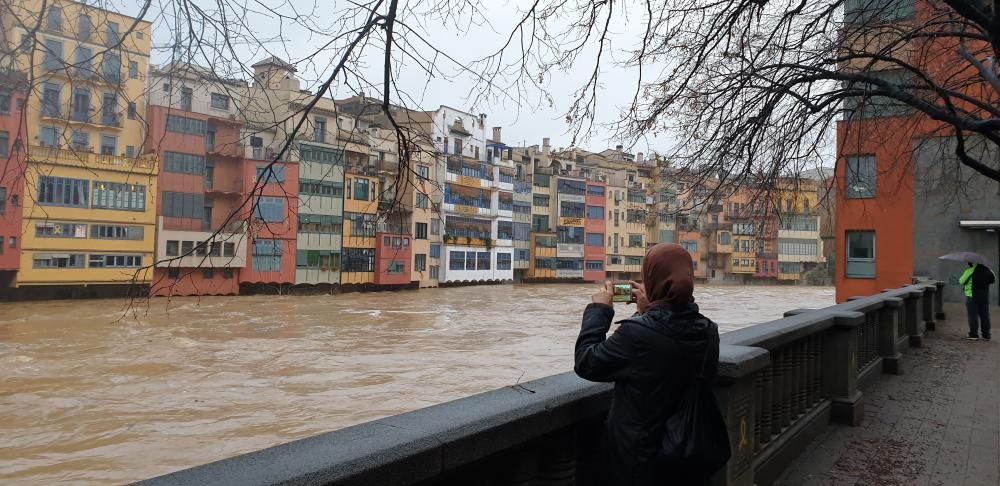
[(90, 394)]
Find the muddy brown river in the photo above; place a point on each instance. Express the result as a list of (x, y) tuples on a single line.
[(89, 398)]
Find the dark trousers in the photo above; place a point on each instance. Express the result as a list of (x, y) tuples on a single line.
[(979, 316)]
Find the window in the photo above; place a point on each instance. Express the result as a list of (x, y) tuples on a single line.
[(419, 262), (310, 153), (86, 27), (266, 255), (456, 260), (174, 273), (395, 268), (133, 70), (505, 230), (115, 232), (361, 224), (51, 107), (173, 248), (114, 261), (183, 205), (3, 200), (229, 249), (220, 101), (435, 226), (360, 189), (725, 238), (190, 126), (187, 98), (458, 146), (522, 231), (321, 223), (326, 261), (635, 241), (470, 260), (541, 200), (114, 195), (595, 212), (61, 191), (570, 235), (45, 260), (635, 216), (637, 261), (482, 260), (541, 180), (320, 188), (423, 171), (689, 245), (358, 260), (60, 230), (566, 186), (545, 263), (421, 231), (109, 144), (423, 202), (270, 209), (4, 144), (435, 272), (184, 163), (111, 65), (595, 239), (504, 261), (539, 222), (270, 174), (523, 255), (113, 36), (227, 273), (4, 101), (435, 251), (319, 130), (593, 266), (256, 146), (207, 273), (595, 191), (870, 103), (53, 59), (860, 254), (13, 242), (859, 11), (569, 209), (798, 247), (861, 177)]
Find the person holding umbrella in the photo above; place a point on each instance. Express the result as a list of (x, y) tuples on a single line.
[(975, 282)]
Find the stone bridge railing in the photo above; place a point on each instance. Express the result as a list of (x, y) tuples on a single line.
[(781, 383)]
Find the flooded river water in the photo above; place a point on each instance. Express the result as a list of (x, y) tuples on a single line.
[(89, 398)]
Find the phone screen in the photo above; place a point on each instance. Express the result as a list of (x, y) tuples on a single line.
[(622, 293)]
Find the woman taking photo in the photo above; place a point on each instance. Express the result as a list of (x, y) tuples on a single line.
[(653, 358)]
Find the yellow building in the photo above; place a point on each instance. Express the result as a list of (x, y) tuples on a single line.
[(361, 200), (89, 209)]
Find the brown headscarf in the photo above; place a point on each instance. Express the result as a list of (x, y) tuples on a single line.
[(668, 275)]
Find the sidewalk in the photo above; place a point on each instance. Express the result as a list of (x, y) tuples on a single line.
[(937, 425)]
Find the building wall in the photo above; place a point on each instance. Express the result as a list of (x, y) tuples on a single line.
[(944, 195), (889, 214), (12, 172), (388, 252), (283, 231)]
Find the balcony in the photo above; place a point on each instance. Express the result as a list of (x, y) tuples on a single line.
[(89, 160)]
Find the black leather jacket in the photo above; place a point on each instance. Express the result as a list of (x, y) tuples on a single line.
[(651, 358)]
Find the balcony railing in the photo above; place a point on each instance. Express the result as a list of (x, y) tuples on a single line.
[(90, 159)]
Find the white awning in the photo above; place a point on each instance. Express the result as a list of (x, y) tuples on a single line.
[(984, 224)]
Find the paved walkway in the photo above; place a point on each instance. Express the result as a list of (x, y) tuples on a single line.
[(937, 425)]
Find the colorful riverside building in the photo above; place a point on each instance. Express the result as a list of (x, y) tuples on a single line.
[(89, 207), (13, 133), (902, 196), (195, 131)]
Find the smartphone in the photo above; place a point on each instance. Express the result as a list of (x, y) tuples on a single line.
[(622, 292)]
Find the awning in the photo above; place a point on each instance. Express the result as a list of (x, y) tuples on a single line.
[(983, 224)]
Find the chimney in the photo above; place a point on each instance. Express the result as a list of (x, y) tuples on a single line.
[(482, 120), (618, 148), (496, 134), (545, 146), (639, 157)]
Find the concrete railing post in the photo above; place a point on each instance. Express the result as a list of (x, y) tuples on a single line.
[(738, 368), (914, 323), (889, 347), (927, 306), (840, 369), (939, 301)]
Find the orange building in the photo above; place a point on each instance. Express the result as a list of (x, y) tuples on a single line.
[(902, 197)]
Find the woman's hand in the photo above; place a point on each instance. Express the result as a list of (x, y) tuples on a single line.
[(639, 295), (603, 296)]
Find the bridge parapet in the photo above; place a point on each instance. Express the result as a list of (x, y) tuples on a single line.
[(781, 383)]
